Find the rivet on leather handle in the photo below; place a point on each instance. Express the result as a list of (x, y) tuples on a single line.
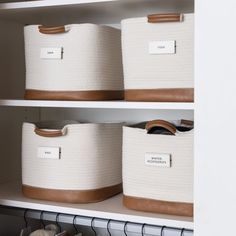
[(161, 123), (162, 18), (52, 30), (48, 134)]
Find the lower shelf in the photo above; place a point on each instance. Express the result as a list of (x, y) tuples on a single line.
[(98, 104), (11, 195)]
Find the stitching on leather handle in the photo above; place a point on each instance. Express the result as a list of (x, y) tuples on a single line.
[(162, 18), (51, 30)]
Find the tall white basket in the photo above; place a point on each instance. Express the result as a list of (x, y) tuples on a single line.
[(73, 62), (158, 170), (71, 162), (158, 58)]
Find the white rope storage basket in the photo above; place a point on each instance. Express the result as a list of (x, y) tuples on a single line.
[(158, 171), (73, 62), (71, 162), (158, 58)]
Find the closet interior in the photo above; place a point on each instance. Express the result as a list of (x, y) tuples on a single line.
[(14, 110)]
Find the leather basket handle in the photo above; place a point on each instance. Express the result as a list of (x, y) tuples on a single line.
[(53, 30), (47, 133), (162, 18), (161, 123), (188, 123)]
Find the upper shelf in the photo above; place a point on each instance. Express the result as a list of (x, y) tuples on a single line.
[(48, 3), (58, 3), (93, 11), (100, 104)]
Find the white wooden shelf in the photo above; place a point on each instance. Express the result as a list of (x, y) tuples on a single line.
[(93, 11), (58, 3), (47, 3), (10, 195), (99, 104)]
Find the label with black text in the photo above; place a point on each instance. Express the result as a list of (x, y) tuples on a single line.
[(49, 152), (158, 159), (162, 47), (51, 53)]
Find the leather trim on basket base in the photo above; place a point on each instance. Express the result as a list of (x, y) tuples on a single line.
[(156, 206), (98, 95), (71, 196), (160, 95)]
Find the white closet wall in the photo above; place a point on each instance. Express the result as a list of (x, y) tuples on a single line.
[(215, 115)]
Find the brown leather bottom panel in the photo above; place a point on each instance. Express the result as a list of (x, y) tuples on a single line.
[(160, 95), (74, 95), (71, 196), (161, 207)]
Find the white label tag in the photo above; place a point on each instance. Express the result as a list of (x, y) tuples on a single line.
[(49, 152), (162, 47), (158, 159), (51, 53)]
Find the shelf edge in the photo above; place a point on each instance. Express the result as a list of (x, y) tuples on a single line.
[(98, 104)]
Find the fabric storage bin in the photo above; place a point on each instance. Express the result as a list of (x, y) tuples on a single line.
[(158, 58), (71, 162), (73, 62), (158, 169)]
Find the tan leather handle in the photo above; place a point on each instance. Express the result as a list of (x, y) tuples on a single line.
[(47, 133), (52, 30), (188, 123), (161, 123), (162, 18)]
